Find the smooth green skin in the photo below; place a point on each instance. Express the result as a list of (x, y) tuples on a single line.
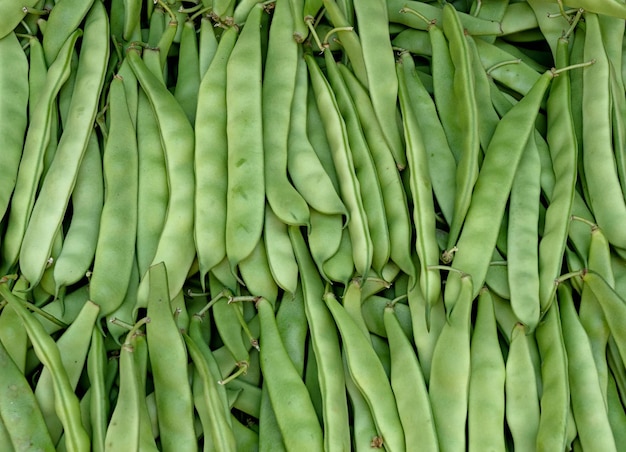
[(245, 198), (270, 437), (588, 401), (293, 327), (300, 28), (441, 161), (369, 376), (280, 258), (562, 142), (176, 246), (31, 163), (480, 231), (19, 410), (13, 14), (463, 135), (591, 313), (188, 80), (79, 243), (64, 20), (153, 190), (55, 191), (132, 18), (324, 238), (450, 373), (168, 360), (422, 193), (220, 426), (612, 305), (349, 39), (66, 402), (256, 273), (486, 406), (522, 400), (289, 397), (364, 431), (319, 140), (336, 132), (365, 170), (37, 73), (279, 83), (13, 114), (605, 192), (379, 60), (223, 9), (207, 45), (555, 396), (115, 250), (409, 387), (394, 197), (211, 159), (99, 406), (617, 416), (124, 425), (326, 348), (522, 238), (73, 347), (303, 164)]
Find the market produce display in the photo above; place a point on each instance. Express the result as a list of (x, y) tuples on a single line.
[(312, 225)]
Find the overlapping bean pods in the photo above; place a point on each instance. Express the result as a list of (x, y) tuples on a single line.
[(324, 225)]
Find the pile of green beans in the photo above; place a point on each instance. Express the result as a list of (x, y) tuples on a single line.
[(312, 225)]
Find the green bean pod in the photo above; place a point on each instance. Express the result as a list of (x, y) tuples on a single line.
[(522, 400), (380, 68), (561, 137), (349, 185), (14, 81), (441, 161), (480, 232), (66, 401), (324, 238), (555, 395), (115, 250), (606, 199), (486, 407), (79, 243), (245, 197), (280, 258), (74, 349), (211, 159), (31, 164), (325, 345), (450, 372), (19, 411), (176, 246), (123, 429), (99, 406), (303, 165), (409, 388), (279, 82), (66, 18), (588, 403), (168, 360), (369, 376), (188, 79), (365, 170), (290, 400), (421, 190), (256, 272)]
